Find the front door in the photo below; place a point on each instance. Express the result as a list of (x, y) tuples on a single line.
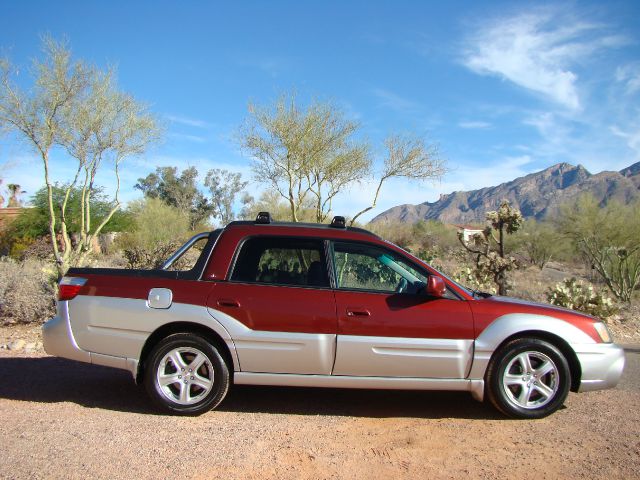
[(278, 306), (388, 327)]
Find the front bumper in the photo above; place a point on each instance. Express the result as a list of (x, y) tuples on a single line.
[(58, 339), (602, 365)]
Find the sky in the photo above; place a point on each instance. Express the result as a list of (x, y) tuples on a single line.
[(503, 89)]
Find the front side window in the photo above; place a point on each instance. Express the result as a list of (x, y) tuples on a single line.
[(365, 267), (281, 261)]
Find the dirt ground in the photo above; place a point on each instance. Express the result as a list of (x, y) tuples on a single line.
[(62, 419)]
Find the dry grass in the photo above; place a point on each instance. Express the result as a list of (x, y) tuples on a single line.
[(27, 292)]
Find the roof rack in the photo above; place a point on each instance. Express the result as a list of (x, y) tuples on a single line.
[(338, 222)]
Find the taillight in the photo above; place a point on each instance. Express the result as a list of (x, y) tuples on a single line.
[(70, 287)]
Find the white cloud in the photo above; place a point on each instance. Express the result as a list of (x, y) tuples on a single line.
[(474, 124), (392, 100), (270, 65), (190, 122), (190, 138), (538, 51), (632, 138), (629, 76)]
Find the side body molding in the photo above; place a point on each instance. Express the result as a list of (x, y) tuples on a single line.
[(514, 323), (278, 352)]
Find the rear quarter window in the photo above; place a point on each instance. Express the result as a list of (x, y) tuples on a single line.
[(281, 261)]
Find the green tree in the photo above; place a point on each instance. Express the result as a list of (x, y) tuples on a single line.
[(180, 191), (76, 107), (304, 153), (409, 158), (158, 230), (223, 187), (489, 249), (540, 242), (272, 202), (310, 155), (608, 238), (33, 222)]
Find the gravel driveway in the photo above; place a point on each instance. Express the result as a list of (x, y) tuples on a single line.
[(61, 419)]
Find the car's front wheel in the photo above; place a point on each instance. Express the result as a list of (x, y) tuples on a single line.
[(528, 378), (187, 375)]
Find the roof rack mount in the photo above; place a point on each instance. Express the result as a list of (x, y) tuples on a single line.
[(339, 222), (263, 218)]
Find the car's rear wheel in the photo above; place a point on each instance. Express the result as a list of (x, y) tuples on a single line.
[(528, 378), (187, 375)]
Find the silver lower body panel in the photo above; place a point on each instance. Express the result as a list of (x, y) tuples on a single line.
[(476, 387), (58, 340), (602, 365)]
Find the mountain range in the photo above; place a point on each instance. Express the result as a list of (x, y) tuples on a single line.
[(537, 195)]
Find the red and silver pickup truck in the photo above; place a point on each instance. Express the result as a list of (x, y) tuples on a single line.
[(322, 306)]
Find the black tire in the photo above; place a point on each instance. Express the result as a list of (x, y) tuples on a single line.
[(528, 393), (184, 391)]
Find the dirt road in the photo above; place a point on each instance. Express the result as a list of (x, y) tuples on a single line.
[(61, 419)]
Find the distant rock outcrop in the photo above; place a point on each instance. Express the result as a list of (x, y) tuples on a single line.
[(536, 195)]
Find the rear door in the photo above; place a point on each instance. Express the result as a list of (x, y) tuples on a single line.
[(278, 306), (388, 327)]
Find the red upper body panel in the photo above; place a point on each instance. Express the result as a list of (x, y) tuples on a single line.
[(282, 308)]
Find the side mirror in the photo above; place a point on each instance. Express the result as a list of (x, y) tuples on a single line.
[(435, 287)]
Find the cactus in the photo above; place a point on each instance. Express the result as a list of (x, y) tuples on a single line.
[(488, 249)]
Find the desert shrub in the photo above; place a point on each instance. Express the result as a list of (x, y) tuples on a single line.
[(158, 230), (143, 257), (428, 255), (433, 235), (540, 243), (110, 260), (475, 279), (33, 223), (40, 249), (577, 295), (394, 231), (27, 292), (427, 239), (609, 239)]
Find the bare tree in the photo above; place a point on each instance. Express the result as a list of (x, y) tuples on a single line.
[(77, 107), (409, 158)]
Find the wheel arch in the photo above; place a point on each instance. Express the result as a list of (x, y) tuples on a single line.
[(556, 341), (190, 328), (519, 325)]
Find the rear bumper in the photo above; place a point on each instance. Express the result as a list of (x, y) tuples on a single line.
[(58, 339), (602, 365)]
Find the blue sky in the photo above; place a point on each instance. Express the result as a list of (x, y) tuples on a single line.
[(504, 88)]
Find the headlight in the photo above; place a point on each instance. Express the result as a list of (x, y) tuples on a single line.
[(602, 330)]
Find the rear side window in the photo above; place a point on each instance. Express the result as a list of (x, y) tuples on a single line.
[(281, 261)]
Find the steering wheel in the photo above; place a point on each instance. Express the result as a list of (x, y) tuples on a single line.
[(402, 285)]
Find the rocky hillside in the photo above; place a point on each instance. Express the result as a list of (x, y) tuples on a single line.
[(536, 195)]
